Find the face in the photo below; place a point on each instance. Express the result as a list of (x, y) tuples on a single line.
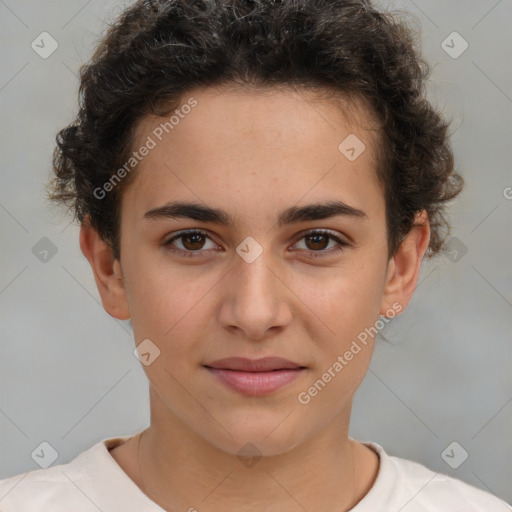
[(260, 275)]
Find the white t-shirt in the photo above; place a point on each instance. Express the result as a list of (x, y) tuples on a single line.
[(93, 481)]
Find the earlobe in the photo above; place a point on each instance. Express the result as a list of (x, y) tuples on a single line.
[(106, 270), (404, 266)]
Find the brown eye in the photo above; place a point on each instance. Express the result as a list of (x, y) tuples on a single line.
[(317, 241), (191, 242)]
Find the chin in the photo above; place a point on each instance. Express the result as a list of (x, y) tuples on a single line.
[(267, 438)]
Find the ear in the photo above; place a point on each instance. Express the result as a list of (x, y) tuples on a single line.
[(404, 266), (107, 272)]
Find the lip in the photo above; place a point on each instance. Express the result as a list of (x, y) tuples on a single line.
[(265, 364), (255, 377)]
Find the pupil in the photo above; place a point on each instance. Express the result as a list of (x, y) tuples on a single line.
[(195, 236), (315, 239)]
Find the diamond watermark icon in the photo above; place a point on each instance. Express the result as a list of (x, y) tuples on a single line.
[(44, 455), (351, 147), (249, 249), (44, 45), (249, 455), (146, 352), (455, 249), (454, 455), (44, 250), (454, 45)]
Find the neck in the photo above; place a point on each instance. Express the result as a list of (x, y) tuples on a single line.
[(179, 470)]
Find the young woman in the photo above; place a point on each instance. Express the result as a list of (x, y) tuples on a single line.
[(257, 184)]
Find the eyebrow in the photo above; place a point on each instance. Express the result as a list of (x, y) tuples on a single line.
[(294, 214)]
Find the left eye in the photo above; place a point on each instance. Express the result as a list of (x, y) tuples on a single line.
[(319, 239), (193, 241)]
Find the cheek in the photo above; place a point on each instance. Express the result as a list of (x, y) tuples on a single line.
[(347, 301), (348, 308), (169, 307), (169, 312)]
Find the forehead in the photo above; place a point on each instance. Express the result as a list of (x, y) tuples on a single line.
[(257, 149)]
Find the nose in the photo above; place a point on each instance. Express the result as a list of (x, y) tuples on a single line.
[(256, 300)]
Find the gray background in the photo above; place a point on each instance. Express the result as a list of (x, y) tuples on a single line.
[(67, 372)]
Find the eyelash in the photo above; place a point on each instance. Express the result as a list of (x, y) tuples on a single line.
[(341, 243)]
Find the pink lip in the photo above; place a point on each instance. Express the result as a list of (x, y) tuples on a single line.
[(265, 364), (255, 377)]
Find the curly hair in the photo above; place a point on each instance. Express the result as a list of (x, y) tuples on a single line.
[(157, 50)]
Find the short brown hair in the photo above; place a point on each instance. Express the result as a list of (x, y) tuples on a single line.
[(158, 50)]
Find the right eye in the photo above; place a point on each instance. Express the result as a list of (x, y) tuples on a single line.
[(192, 241)]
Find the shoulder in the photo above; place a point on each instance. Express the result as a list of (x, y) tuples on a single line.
[(436, 491), (412, 487), (45, 489), (35, 489), (78, 485)]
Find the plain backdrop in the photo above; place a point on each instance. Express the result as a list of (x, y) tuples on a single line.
[(68, 375)]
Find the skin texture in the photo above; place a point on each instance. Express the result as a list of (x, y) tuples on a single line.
[(253, 153)]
